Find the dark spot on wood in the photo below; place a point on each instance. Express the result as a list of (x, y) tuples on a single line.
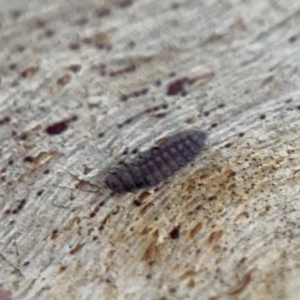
[(190, 121), (64, 80), (211, 198), (49, 33), (101, 134), (54, 234), (29, 72), (15, 14), (292, 39), (175, 233), (5, 120), (12, 66), (262, 117), (75, 68), (228, 145), (174, 6), (102, 12), (39, 193), (11, 162), (82, 21), (176, 87), (26, 263), (13, 133), (213, 125), (62, 268), (40, 24), (144, 195), (28, 159), (206, 113), (158, 83), (57, 128), (124, 98), (160, 115), (131, 44), (221, 105), (241, 134), (20, 48), (87, 41), (125, 3), (134, 151), (74, 46), (47, 171), (23, 136), (268, 80), (77, 248), (137, 203)]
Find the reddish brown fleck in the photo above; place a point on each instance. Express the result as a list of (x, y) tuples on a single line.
[(63, 268), (262, 117), (175, 233), (175, 87), (137, 203), (160, 115), (215, 236), (57, 128), (63, 80), (29, 72), (77, 248), (28, 159)]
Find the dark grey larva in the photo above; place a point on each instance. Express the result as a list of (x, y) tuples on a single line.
[(158, 163)]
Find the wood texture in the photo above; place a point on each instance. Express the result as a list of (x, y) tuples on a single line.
[(83, 84)]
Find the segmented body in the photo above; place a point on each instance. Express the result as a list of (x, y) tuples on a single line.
[(158, 163)]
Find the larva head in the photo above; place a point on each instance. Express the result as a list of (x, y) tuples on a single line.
[(115, 184)]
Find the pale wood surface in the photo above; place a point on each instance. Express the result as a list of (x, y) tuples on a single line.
[(225, 227)]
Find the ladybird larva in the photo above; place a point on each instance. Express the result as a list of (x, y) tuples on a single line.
[(158, 163)]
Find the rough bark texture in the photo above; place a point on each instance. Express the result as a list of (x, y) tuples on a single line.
[(84, 82)]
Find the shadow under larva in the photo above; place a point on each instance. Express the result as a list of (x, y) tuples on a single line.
[(158, 163)]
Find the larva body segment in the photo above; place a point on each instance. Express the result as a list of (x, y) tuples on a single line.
[(158, 163)]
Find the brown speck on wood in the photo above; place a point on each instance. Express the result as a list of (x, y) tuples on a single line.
[(215, 236), (77, 248)]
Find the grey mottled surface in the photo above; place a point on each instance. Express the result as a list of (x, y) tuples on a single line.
[(83, 82)]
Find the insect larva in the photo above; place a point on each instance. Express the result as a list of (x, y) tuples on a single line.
[(158, 163)]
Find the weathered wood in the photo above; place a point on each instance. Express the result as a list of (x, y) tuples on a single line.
[(83, 82)]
